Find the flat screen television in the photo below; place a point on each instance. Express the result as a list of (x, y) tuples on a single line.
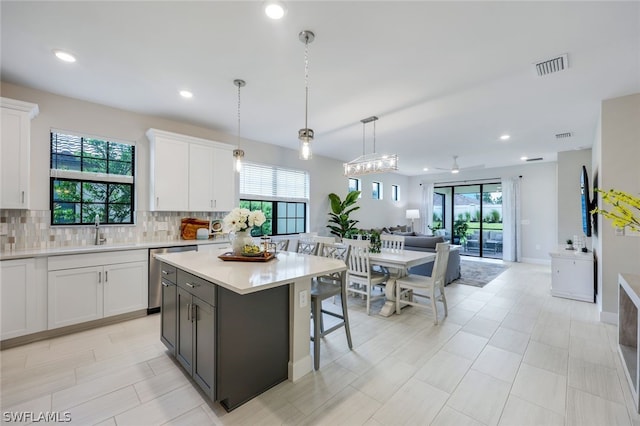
[(586, 202)]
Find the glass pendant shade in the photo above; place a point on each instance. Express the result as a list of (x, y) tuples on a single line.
[(306, 137)]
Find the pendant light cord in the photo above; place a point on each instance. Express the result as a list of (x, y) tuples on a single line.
[(306, 81), (238, 141)]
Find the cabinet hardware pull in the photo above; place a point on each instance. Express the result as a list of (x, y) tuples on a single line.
[(157, 201), (194, 313), (167, 272), (188, 311), (191, 285), (106, 276), (99, 277), (165, 284), (22, 197), (210, 203)]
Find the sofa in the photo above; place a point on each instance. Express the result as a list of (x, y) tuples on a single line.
[(421, 242)]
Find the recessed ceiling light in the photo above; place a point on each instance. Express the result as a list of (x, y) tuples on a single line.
[(504, 137), (64, 56), (524, 158), (275, 9), (426, 169), (186, 94)]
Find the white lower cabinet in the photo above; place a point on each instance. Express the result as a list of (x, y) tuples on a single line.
[(87, 287), (572, 275), (23, 297)]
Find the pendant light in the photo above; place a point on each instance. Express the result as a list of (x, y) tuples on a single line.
[(238, 154), (371, 163), (306, 135)]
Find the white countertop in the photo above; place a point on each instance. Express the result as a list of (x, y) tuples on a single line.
[(572, 254), (249, 277), (58, 251)]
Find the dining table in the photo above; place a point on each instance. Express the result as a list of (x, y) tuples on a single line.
[(401, 260)]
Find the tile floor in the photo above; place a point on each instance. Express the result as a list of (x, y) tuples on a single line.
[(508, 354)]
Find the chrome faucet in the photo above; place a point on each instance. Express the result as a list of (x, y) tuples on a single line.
[(98, 240)]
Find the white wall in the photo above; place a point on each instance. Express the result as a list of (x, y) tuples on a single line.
[(538, 207), (89, 118), (615, 166), (569, 201)]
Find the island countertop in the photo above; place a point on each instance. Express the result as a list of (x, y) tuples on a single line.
[(250, 277)]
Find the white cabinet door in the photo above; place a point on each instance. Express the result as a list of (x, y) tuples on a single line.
[(572, 278), (75, 296), (23, 297), (201, 170), (169, 183), (224, 180), (125, 288), (15, 126)]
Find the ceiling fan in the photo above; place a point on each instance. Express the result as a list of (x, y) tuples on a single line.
[(456, 169)]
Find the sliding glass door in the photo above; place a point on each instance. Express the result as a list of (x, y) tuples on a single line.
[(472, 217)]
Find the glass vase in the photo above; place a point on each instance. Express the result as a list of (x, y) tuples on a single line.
[(240, 239)]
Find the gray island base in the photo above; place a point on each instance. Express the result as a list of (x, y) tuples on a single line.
[(239, 328)]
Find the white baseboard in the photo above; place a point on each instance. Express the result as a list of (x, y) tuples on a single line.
[(536, 261), (609, 317)]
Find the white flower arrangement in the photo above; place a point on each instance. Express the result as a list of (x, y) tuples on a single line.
[(243, 219)]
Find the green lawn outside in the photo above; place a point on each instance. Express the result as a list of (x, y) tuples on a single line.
[(485, 226)]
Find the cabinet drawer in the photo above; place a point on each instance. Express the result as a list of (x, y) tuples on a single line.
[(168, 272), (197, 286)]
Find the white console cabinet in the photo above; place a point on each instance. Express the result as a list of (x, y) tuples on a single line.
[(190, 174), (572, 275), (15, 154), (23, 297), (87, 287)]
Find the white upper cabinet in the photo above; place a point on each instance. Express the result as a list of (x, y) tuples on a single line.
[(15, 141), (190, 174), (169, 166)]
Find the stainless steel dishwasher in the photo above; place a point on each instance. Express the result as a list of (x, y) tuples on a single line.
[(155, 275)]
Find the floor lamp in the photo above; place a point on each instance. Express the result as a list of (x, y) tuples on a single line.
[(413, 214)]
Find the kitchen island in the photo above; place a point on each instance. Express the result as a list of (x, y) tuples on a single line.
[(234, 316)]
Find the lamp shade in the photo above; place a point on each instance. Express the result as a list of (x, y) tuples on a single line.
[(413, 214)]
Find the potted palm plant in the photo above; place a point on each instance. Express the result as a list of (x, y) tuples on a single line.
[(340, 223)]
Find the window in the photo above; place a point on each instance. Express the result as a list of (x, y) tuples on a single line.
[(290, 217), (282, 195), (90, 177), (376, 190), (354, 184), (395, 192)]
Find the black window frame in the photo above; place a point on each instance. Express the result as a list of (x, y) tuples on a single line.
[(358, 184), (379, 184), (274, 215), (84, 177), (395, 192)]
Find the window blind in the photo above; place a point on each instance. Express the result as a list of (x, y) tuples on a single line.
[(273, 183)]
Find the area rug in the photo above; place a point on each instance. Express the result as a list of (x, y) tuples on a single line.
[(478, 274)]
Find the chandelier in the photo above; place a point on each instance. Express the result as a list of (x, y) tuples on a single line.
[(238, 154), (371, 163), (306, 135)]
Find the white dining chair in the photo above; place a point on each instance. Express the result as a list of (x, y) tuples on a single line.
[(361, 279), (322, 288), (431, 288), (391, 242)]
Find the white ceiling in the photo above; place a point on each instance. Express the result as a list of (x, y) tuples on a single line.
[(444, 78)]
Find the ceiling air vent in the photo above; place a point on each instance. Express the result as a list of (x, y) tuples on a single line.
[(563, 135), (533, 159), (550, 66)]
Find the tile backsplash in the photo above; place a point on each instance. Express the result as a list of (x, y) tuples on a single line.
[(31, 229)]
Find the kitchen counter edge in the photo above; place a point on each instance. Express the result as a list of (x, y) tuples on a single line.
[(61, 251)]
